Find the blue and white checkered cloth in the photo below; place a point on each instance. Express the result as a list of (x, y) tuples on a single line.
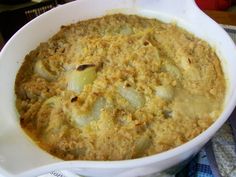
[(199, 166), (218, 157)]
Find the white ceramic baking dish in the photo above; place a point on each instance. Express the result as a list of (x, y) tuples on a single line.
[(20, 157)]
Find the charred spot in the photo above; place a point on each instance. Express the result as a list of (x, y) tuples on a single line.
[(96, 94), (84, 66), (63, 27), (127, 85), (145, 43), (189, 61), (23, 122), (63, 50), (167, 114), (138, 124), (100, 66), (74, 99)]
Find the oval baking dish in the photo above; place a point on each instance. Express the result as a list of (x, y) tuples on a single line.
[(20, 157)]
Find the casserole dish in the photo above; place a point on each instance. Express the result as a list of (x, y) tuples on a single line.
[(20, 157)]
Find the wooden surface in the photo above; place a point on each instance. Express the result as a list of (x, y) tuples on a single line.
[(222, 17)]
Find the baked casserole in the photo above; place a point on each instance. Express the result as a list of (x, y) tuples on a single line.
[(118, 87)]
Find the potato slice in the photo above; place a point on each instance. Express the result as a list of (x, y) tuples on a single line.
[(141, 145), (126, 30), (98, 106), (77, 79), (77, 118), (83, 119), (165, 92), (47, 110), (53, 102), (42, 71), (132, 96), (173, 70)]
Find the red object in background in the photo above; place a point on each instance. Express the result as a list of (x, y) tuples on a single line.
[(214, 4)]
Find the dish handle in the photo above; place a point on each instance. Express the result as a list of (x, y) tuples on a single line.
[(176, 8)]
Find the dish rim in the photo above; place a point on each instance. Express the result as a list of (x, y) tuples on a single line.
[(152, 158)]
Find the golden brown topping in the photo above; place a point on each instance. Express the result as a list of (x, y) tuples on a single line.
[(119, 87)]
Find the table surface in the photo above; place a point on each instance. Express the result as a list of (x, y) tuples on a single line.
[(12, 7), (222, 17)]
